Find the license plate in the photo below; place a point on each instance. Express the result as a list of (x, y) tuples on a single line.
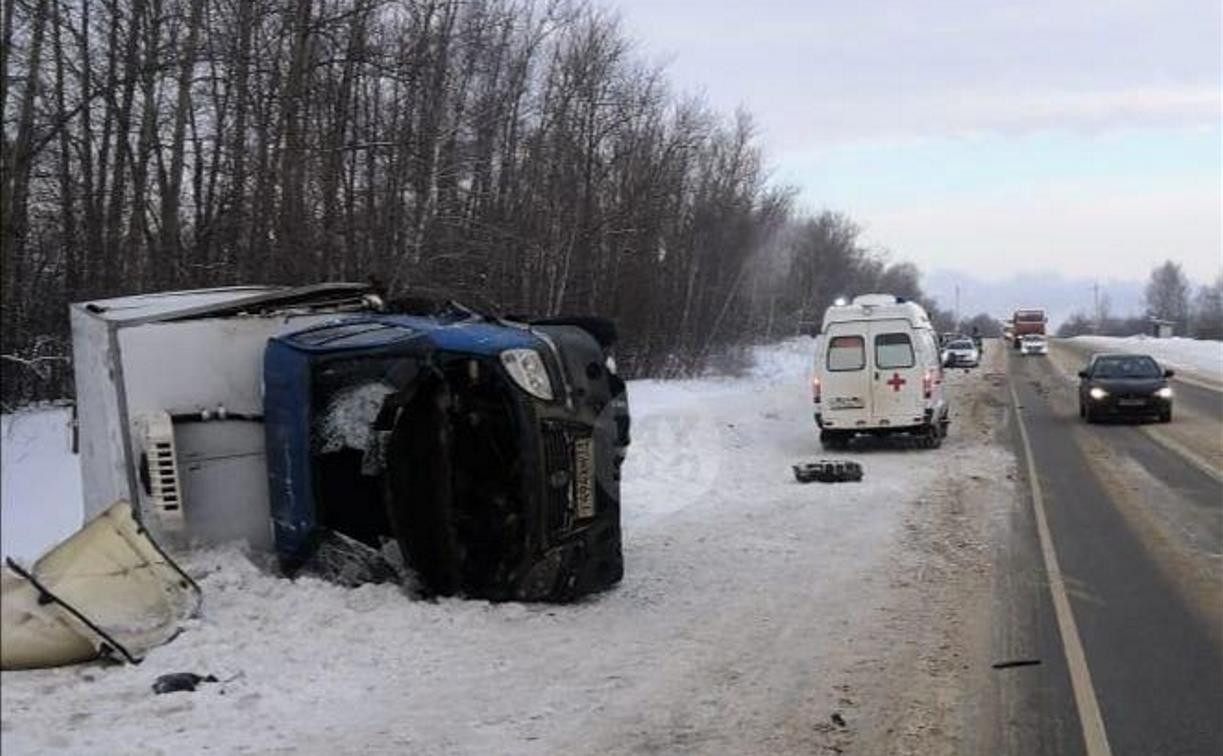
[(846, 402), (584, 478), (1132, 402)]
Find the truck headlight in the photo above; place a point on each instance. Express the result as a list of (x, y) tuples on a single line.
[(527, 369), (1097, 393), (1164, 393)]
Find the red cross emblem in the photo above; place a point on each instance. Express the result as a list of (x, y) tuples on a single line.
[(896, 381)]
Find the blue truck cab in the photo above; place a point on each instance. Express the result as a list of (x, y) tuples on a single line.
[(488, 449)]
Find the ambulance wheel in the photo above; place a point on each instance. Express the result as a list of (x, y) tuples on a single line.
[(834, 440), (932, 437)]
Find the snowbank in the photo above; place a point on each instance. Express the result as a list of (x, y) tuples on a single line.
[(40, 482), (1204, 358)]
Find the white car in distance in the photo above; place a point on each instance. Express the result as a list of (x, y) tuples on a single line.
[(1033, 343), (961, 353)]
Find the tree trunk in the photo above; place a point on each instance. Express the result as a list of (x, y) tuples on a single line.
[(171, 189), (18, 162)]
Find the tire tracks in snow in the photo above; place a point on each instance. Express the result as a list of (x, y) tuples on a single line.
[(932, 688)]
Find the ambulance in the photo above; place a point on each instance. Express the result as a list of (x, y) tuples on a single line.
[(878, 372)]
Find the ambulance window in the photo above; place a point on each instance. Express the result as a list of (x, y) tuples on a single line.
[(893, 350), (846, 353)]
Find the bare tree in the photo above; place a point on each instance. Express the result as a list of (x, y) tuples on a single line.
[(1208, 311), (512, 152), (1167, 295)]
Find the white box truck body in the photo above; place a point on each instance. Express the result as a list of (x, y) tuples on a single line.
[(169, 402)]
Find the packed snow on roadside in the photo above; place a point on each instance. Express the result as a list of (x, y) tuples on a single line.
[(40, 481), (1191, 355), (749, 604)]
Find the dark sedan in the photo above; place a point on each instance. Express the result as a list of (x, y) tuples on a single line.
[(1124, 385)]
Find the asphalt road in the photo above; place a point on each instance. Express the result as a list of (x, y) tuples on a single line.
[(1197, 397), (1135, 522)]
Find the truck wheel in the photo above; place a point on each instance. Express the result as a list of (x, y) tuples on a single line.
[(1166, 416)]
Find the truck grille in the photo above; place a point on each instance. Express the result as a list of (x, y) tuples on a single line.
[(560, 469)]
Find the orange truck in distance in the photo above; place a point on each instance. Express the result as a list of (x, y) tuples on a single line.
[(1025, 322)]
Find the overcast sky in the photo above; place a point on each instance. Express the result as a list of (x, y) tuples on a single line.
[(986, 136)]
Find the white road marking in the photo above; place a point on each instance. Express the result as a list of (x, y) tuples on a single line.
[(1094, 736), (1183, 451), (1199, 383)]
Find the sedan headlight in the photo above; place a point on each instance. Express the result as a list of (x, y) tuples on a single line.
[(1097, 393), (1164, 393), (527, 369)]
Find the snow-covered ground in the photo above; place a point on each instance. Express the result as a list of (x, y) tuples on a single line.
[(1193, 356), (752, 608)]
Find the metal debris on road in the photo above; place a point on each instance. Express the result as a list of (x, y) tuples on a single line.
[(1016, 663), (828, 471), (176, 681)]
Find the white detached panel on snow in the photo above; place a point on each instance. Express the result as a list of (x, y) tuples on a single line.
[(106, 590)]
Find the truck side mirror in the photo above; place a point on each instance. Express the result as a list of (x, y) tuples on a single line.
[(1083, 374), (1169, 373)]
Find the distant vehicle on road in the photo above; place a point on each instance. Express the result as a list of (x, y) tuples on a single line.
[(946, 338), (1034, 343), (961, 353), (878, 372), (1025, 322), (1124, 385)]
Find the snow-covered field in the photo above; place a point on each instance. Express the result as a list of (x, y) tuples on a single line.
[(40, 481), (1194, 356), (752, 608)]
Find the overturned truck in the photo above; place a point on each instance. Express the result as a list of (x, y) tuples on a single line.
[(486, 449)]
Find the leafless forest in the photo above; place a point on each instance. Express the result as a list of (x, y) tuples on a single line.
[(518, 154)]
